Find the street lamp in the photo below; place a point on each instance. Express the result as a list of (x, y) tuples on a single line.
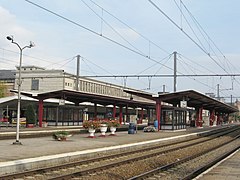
[(10, 38)]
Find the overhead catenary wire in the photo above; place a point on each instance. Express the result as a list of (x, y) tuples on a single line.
[(205, 35), (122, 22), (50, 62), (185, 33), (205, 32), (209, 39), (92, 31), (182, 15), (119, 34)]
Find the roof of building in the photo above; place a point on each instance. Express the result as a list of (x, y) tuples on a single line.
[(194, 99), (79, 97), (7, 74)]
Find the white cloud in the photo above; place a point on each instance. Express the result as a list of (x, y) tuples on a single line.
[(10, 26)]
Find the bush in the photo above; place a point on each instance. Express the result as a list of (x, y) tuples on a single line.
[(61, 135), (113, 123), (91, 124), (30, 114)]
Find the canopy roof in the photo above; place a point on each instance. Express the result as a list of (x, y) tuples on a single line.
[(193, 98), (79, 97)]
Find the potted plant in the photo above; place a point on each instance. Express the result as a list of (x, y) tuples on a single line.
[(103, 127), (44, 124), (113, 124), (30, 116), (61, 135), (91, 126)]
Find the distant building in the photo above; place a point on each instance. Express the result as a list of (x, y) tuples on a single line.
[(38, 80), (7, 80)]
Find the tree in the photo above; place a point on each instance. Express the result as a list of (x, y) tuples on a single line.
[(30, 115), (3, 89)]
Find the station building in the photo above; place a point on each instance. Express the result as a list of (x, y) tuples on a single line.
[(62, 98)]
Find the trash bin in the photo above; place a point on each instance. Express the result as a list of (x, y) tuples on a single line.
[(132, 128), (156, 124)]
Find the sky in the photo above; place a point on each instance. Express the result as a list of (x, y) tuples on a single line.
[(129, 37)]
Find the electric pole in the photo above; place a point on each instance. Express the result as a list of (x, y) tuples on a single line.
[(175, 72), (78, 68)]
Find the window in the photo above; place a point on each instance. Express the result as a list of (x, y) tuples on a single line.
[(35, 84)]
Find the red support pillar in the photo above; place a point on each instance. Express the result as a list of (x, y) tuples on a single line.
[(114, 111), (40, 111), (212, 117), (95, 111), (158, 113), (199, 120), (120, 114), (200, 117)]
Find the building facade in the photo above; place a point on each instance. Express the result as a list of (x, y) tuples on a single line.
[(7, 80), (40, 80)]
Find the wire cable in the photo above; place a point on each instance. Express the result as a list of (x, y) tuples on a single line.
[(144, 37), (186, 34)]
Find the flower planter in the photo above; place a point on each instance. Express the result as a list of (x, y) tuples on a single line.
[(113, 130), (30, 125), (103, 130), (44, 124), (91, 132)]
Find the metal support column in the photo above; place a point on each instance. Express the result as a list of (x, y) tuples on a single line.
[(175, 72)]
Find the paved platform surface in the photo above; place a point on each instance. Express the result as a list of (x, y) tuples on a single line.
[(35, 151), (42, 146), (228, 169)]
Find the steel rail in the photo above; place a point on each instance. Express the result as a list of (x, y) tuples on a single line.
[(206, 167), (130, 160), (214, 133), (181, 161)]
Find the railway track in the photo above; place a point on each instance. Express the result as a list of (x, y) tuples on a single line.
[(96, 167), (191, 166)]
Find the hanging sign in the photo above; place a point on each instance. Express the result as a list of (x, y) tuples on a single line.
[(61, 102), (183, 104)]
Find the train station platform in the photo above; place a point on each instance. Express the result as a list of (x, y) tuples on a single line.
[(228, 168), (44, 150)]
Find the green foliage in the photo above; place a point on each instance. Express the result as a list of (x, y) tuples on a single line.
[(30, 114), (3, 89), (113, 123), (61, 135), (91, 124)]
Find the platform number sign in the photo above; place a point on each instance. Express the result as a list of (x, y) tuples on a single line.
[(61, 102), (183, 104)]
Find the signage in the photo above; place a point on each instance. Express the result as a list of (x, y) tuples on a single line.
[(61, 102), (183, 104)]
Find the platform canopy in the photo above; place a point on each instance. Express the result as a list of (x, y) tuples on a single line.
[(79, 97), (193, 98)]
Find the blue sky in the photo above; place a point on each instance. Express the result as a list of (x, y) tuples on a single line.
[(58, 41)]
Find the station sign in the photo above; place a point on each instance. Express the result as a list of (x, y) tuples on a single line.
[(61, 102), (183, 104)]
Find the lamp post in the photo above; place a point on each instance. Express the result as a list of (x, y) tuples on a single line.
[(10, 38)]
